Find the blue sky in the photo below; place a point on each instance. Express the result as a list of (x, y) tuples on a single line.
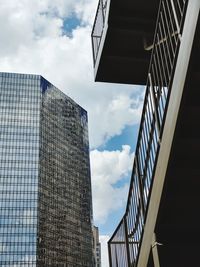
[(70, 24), (128, 137), (52, 38)]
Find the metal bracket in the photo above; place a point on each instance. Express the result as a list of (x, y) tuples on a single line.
[(155, 251)]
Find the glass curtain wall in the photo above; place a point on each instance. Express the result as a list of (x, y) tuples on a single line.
[(64, 182), (19, 155)]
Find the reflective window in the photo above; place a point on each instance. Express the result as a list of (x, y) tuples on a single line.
[(45, 191)]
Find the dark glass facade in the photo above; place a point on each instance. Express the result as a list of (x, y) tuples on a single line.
[(45, 190)]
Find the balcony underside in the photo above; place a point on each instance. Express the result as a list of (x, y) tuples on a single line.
[(178, 223), (124, 55)]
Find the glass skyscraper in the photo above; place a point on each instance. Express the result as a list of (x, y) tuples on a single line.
[(45, 187)]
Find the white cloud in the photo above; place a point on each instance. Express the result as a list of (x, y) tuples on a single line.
[(86, 10), (32, 42), (104, 250), (107, 169)]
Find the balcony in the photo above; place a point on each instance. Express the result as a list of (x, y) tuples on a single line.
[(122, 39), (160, 226)]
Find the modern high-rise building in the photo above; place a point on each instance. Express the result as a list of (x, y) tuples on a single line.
[(45, 187), (156, 44), (96, 247)]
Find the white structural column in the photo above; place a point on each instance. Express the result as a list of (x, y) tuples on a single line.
[(169, 128)]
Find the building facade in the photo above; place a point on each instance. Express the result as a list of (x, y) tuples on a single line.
[(45, 187), (96, 247)]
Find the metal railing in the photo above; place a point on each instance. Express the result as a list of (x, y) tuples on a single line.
[(98, 27), (125, 243)]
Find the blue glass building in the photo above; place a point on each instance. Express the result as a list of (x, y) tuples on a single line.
[(45, 188)]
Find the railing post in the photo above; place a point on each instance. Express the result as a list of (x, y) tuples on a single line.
[(102, 9), (93, 52), (127, 242), (140, 184), (117, 265), (109, 254), (176, 19), (155, 105)]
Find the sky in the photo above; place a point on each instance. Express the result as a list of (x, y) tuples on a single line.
[(53, 39)]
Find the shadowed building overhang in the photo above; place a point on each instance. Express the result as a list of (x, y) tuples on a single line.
[(122, 40)]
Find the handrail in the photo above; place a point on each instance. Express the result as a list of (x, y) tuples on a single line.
[(98, 27), (165, 49)]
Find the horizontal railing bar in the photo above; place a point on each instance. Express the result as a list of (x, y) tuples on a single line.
[(123, 242), (96, 36)]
